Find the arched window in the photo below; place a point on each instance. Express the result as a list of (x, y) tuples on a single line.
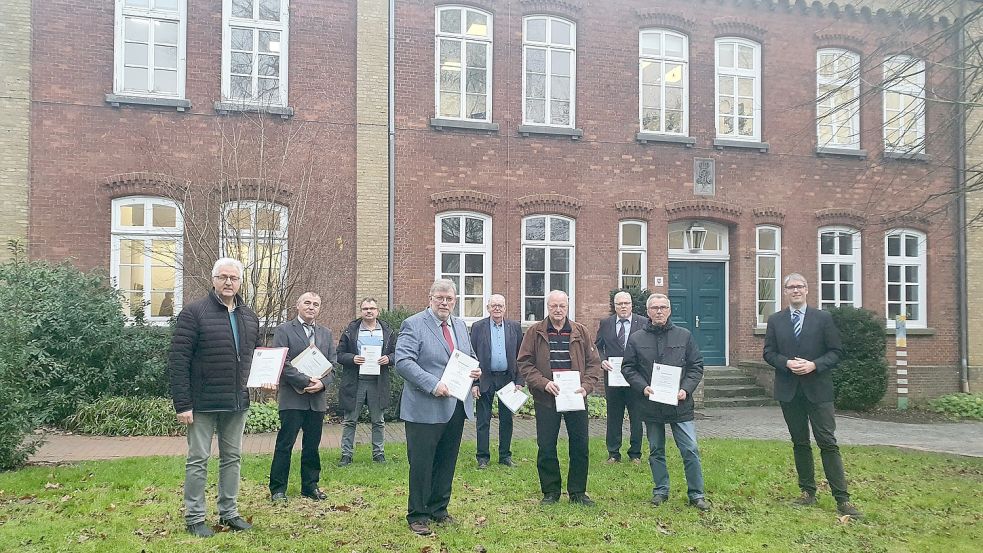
[(839, 267), (838, 98), (768, 270), (548, 248), (464, 63), (255, 233), (663, 80), (904, 105), (738, 86), (905, 268), (463, 255), (632, 254), (549, 70)]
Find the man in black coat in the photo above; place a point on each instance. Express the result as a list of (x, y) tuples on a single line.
[(302, 401), (357, 388), (803, 345), (612, 336), (667, 344), (208, 366), (495, 340)]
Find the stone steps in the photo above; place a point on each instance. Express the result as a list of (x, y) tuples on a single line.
[(731, 387)]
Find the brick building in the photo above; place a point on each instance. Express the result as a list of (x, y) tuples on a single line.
[(15, 109), (586, 146)]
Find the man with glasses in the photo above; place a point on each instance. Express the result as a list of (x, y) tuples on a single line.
[(612, 337), (434, 419), (208, 366), (496, 343), (667, 344), (803, 345)]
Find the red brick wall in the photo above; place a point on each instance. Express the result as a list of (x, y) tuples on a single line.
[(78, 140), (608, 165)]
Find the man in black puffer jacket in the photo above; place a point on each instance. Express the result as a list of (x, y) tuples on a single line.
[(211, 353), (664, 343)]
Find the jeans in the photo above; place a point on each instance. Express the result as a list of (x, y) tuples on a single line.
[(684, 434), (367, 392), (293, 421), (229, 426), (547, 463), (799, 414), (483, 422)]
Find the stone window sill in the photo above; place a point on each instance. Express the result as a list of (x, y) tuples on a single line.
[(574, 134), (229, 107), (721, 143), (179, 104), (924, 331), (823, 151), (646, 137), (906, 156), (439, 123)]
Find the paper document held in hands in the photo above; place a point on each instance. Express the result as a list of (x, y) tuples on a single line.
[(266, 366)]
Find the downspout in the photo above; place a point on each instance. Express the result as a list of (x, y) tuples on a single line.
[(961, 198), (392, 149)]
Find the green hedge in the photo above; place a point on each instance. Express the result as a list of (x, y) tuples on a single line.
[(959, 406), (860, 379)]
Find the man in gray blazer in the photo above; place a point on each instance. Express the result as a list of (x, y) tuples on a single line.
[(434, 419), (302, 401)]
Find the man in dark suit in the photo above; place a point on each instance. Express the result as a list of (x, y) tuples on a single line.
[(434, 419), (612, 336), (496, 343), (302, 401), (803, 345)]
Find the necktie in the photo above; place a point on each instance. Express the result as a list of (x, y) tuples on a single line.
[(621, 332), (797, 323), (309, 330), (447, 335)]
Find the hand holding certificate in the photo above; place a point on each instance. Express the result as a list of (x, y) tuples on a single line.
[(371, 365), (665, 384), (312, 363), (266, 367), (457, 374), (615, 378), (511, 397), (569, 399)]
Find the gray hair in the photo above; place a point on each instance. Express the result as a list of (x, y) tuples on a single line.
[(622, 294), (443, 285), (557, 293), (228, 262), (657, 296), (795, 276)]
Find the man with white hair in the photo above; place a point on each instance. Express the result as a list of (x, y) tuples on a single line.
[(208, 365)]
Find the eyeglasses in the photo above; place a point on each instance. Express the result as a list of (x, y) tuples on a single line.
[(495, 306), (796, 287), (222, 278), (442, 299), (659, 308)]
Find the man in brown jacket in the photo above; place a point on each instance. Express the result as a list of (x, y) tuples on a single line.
[(552, 345)]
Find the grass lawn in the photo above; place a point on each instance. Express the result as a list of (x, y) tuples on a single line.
[(912, 502)]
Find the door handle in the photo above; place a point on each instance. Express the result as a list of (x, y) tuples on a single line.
[(697, 321)]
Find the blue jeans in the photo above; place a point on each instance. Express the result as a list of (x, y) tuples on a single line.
[(684, 433), (229, 426)]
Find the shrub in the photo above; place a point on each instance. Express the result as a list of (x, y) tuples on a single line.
[(394, 318), (959, 406), (638, 299), (19, 417), (860, 379), (126, 416), (263, 417)]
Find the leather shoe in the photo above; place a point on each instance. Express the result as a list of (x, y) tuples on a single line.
[(345, 461), (805, 499), (582, 499), (636, 460), (446, 519), (482, 464), (847, 508), (507, 462), (200, 529), (420, 528), (236, 524), (700, 503), (379, 458), (659, 499), (549, 499), (279, 498), (613, 460), (316, 495)]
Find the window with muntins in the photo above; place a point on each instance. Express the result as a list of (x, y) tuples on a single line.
[(838, 98), (150, 48), (904, 105), (840, 267), (254, 53), (464, 256), (738, 89), (768, 270), (464, 62), (548, 244), (905, 269), (549, 64), (632, 242), (255, 233), (663, 77)]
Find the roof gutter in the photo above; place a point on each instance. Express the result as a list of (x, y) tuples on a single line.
[(961, 199)]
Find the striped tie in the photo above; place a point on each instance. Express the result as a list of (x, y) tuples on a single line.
[(797, 323)]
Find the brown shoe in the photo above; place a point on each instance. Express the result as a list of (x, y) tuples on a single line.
[(805, 499), (613, 460), (420, 528)]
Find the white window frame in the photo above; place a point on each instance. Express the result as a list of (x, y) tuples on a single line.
[(632, 249), (549, 47), (663, 59), (549, 245), (759, 254), (462, 248), (282, 26), (919, 261), (147, 234), (122, 12), (736, 73), (838, 260), (910, 84), (254, 238), (465, 40), (828, 111)]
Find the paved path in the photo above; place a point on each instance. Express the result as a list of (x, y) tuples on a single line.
[(759, 423)]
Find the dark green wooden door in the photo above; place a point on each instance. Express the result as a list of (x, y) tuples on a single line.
[(696, 290)]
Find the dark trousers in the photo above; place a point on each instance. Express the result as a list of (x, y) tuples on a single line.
[(547, 463), (293, 421), (799, 414), (618, 402), (484, 413), (432, 452)]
